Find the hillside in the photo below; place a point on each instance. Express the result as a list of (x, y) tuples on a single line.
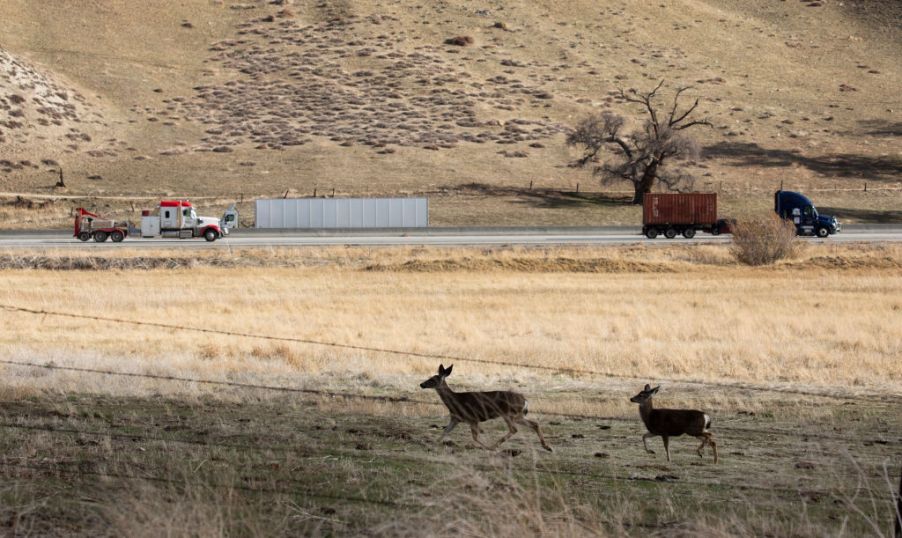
[(234, 100)]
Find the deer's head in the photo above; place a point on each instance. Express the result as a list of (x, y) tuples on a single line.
[(436, 380), (645, 395)]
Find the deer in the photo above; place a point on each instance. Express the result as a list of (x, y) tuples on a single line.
[(672, 423), (475, 407)]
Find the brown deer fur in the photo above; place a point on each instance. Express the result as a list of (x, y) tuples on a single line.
[(475, 407), (669, 423)]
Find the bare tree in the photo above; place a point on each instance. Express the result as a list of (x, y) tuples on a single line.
[(641, 157)]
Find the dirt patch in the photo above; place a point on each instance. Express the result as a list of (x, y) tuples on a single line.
[(527, 265)]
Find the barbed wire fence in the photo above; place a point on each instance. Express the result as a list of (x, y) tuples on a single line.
[(257, 448), (563, 370)]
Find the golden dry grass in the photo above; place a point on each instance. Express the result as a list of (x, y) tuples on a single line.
[(228, 460), (827, 320)]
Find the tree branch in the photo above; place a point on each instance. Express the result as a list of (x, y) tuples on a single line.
[(673, 123), (693, 123), (676, 102)]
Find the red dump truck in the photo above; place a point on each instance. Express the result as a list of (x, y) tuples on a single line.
[(681, 213)]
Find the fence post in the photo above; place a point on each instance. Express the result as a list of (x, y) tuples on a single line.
[(865, 186), (577, 188), (898, 514), (530, 184)]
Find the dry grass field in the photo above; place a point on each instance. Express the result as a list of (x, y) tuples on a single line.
[(240, 99), (796, 363)]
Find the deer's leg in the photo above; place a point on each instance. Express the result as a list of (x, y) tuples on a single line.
[(666, 446), (648, 435), (474, 429), (701, 447), (451, 425), (535, 427), (710, 438), (511, 430)]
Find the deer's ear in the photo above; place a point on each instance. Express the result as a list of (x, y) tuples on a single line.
[(448, 370), (647, 388), (441, 369), (655, 389)]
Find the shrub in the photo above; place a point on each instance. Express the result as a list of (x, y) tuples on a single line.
[(460, 41), (765, 240)]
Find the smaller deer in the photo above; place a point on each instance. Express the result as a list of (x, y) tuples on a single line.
[(476, 407), (672, 423)]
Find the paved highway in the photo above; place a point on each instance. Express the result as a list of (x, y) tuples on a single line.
[(440, 237)]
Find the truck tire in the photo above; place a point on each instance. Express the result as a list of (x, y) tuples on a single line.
[(689, 233), (117, 236), (651, 233), (670, 233), (84, 236), (715, 230), (822, 232), (100, 237), (211, 235)]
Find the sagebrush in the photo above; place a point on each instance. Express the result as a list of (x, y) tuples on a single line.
[(764, 240)]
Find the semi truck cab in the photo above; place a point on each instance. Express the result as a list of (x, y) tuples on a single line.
[(178, 219), (796, 207)]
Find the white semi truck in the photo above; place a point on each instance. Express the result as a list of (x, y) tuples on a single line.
[(175, 219)]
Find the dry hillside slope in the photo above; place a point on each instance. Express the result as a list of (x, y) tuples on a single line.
[(465, 101)]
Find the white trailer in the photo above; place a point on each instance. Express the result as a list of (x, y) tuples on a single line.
[(342, 213)]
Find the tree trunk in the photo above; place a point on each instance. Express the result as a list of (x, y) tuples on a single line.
[(645, 183)]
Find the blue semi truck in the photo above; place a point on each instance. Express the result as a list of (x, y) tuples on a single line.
[(797, 208)]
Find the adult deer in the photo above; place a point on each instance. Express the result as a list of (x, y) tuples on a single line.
[(672, 423), (476, 407)]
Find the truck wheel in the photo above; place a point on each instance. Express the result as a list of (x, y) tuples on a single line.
[(715, 230), (689, 233), (100, 237), (211, 235), (84, 236), (822, 232), (670, 233), (651, 233), (116, 236)]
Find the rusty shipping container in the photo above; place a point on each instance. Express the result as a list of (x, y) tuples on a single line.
[(696, 208)]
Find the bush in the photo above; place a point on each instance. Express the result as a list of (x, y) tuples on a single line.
[(460, 41), (765, 240)]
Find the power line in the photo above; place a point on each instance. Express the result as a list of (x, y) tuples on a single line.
[(416, 354)]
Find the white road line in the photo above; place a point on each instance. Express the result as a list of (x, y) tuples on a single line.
[(256, 240)]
